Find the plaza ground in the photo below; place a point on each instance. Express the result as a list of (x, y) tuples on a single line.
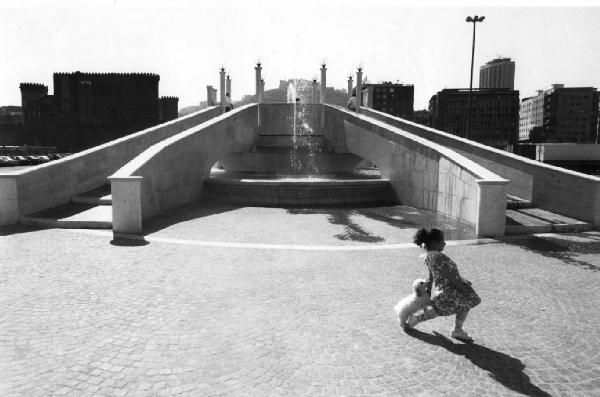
[(232, 301)]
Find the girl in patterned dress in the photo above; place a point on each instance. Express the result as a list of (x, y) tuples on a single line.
[(455, 293)]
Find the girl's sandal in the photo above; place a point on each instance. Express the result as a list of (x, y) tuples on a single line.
[(461, 335)]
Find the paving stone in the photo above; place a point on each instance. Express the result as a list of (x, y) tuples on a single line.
[(80, 316)]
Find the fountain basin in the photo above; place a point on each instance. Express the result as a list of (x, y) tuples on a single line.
[(283, 161), (291, 163), (291, 191)]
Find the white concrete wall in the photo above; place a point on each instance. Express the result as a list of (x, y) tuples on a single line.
[(521, 182), (551, 188), (9, 203), (171, 173), (412, 173), (54, 183), (423, 174)]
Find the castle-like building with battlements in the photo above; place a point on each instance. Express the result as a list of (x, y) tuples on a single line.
[(88, 109)]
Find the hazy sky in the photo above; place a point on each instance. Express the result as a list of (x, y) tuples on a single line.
[(186, 43)]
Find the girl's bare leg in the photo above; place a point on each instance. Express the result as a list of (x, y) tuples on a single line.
[(460, 319), (458, 332)]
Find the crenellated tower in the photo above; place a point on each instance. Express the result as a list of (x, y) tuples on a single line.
[(168, 108), (34, 102), (31, 92)]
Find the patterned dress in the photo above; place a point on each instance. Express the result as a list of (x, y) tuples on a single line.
[(450, 300)]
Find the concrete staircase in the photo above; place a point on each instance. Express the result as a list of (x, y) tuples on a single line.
[(89, 210), (522, 218)]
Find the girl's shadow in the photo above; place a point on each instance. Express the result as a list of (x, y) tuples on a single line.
[(502, 368)]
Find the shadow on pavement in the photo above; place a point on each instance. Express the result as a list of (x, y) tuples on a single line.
[(186, 212), (127, 242), (405, 217), (352, 230), (504, 369), (18, 229), (561, 248), (401, 217)]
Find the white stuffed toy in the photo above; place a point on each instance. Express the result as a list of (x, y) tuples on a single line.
[(414, 302)]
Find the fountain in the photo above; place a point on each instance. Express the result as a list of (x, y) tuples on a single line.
[(292, 163), (304, 145)]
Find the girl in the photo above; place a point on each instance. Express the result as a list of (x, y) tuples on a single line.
[(456, 295)]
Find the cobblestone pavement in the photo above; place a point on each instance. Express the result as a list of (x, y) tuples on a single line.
[(80, 316)]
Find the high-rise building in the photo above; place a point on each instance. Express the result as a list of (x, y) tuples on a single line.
[(560, 114), (494, 114), (497, 73), (531, 116), (395, 99)]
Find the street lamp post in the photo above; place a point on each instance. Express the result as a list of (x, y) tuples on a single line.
[(474, 20)]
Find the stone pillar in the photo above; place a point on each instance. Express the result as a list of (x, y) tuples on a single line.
[(126, 205), (491, 208), (9, 199), (262, 90), (228, 86), (350, 86), (222, 90), (358, 89), (209, 96), (314, 91), (258, 70), (323, 81)]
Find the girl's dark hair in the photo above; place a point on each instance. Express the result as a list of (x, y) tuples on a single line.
[(427, 237)]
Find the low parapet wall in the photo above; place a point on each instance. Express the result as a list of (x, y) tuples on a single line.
[(423, 174), (171, 173), (279, 118), (54, 183), (548, 187)]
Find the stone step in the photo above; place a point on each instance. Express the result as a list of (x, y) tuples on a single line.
[(520, 223), (72, 216), (293, 192), (99, 196), (560, 223), (514, 202), (535, 220), (290, 132), (286, 141), (289, 149)]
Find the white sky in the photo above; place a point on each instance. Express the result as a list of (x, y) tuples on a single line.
[(187, 42)]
